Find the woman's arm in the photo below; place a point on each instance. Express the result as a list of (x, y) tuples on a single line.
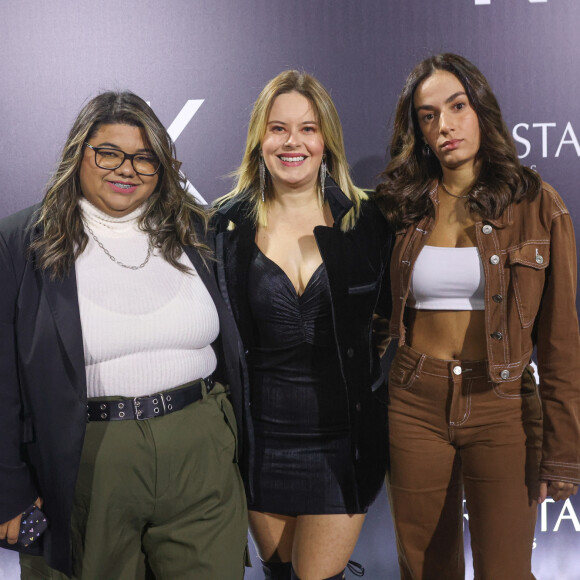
[(382, 315), (558, 348), (16, 487)]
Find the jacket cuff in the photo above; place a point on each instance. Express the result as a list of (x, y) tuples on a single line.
[(558, 471)]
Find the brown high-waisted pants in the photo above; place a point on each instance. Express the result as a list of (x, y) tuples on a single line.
[(454, 432)]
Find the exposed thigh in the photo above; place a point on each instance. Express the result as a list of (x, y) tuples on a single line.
[(323, 544), (273, 535)]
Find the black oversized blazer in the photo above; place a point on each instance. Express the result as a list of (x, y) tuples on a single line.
[(43, 391), (357, 267)]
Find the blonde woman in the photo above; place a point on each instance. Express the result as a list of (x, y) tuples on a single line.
[(302, 257)]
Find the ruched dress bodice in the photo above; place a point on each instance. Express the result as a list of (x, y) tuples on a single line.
[(298, 398)]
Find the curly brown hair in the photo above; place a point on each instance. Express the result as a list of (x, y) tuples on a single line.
[(172, 217), (404, 194)]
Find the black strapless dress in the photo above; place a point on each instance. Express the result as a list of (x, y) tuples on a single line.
[(298, 398)]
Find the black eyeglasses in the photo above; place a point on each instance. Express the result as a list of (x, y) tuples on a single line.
[(143, 163)]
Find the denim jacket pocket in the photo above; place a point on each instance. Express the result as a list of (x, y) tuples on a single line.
[(528, 265)]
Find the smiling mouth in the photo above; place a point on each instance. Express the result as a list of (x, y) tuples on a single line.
[(122, 185), (292, 159)]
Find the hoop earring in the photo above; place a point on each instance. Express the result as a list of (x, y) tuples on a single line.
[(323, 172), (262, 173)]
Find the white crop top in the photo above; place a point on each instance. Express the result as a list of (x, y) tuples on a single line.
[(447, 279)]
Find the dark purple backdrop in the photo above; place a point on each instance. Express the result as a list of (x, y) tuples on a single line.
[(56, 55)]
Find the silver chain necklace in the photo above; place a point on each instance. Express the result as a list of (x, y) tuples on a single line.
[(111, 257), (452, 194)]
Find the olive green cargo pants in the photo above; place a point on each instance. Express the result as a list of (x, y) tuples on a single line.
[(160, 498)]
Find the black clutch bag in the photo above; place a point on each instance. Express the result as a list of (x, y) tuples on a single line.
[(32, 525)]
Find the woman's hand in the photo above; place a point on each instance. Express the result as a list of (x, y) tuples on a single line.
[(380, 333), (9, 530), (556, 490)]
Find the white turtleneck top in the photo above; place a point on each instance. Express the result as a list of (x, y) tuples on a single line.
[(145, 330)]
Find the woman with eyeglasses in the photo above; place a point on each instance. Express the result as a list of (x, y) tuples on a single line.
[(116, 349)]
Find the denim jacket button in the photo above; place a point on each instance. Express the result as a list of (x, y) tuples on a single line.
[(457, 370), (487, 229), (497, 335), (505, 374), (497, 298), (350, 352), (494, 259)]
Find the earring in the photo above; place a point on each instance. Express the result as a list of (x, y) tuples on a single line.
[(323, 172), (426, 150), (262, 172)]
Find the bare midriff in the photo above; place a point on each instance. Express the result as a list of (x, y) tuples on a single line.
[(447, 334)]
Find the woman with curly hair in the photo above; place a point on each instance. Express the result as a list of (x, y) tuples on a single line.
[(303, 261), (116, 346), (483, 270)]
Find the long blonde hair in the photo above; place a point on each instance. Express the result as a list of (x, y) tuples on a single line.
[(171, 215), (247, 184)]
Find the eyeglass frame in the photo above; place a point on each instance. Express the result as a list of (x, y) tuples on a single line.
[(129, 156)]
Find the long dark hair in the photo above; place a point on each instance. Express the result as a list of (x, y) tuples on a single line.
[(409, 176), (171, 215)]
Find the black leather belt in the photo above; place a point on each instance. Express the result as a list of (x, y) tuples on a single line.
[(155, 405)]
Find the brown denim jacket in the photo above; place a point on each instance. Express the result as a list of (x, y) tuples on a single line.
[(529, 260)]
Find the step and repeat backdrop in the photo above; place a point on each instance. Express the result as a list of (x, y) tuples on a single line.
[(202, 63)]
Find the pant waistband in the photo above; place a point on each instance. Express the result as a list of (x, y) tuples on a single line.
[(442, 367), (151, 406)]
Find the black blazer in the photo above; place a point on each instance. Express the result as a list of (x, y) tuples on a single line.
[(357, 266), (43, 391)]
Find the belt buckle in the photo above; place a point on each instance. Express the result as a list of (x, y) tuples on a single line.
[(137, 410)]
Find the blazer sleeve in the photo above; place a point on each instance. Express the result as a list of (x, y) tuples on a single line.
[(16, 488)]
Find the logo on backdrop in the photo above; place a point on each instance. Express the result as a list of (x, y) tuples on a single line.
[(552, 517), (551, 138), (485, 2), (176, 128)]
